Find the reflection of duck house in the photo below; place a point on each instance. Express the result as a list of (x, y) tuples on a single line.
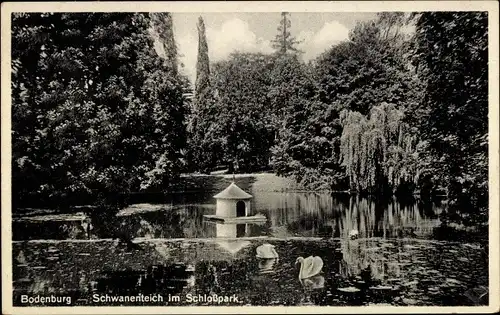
[(229, 234), (231, 230), (233, 206)]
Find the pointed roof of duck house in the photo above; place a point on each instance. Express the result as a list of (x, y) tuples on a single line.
[(233, 192)]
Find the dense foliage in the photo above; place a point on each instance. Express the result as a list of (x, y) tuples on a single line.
[(94, 108), (399, 107), (379, 152), (454, 112), (241, 125), (305, 146), (355, 75), (365, 71)]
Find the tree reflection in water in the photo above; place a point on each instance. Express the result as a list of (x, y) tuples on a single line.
[(227, 264), (167, 279), (396, 271), (289, 214), (310, 285), (331, 216)]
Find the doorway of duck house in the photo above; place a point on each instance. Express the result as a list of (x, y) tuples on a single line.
[(240, 209), (241, 230)]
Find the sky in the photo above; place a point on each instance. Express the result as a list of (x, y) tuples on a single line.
[(253, 32)]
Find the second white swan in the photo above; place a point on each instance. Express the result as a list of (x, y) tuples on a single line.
[(310, 266)]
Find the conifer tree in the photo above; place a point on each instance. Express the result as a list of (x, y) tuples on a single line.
[(202, 65), (284, 42), (200, 154)]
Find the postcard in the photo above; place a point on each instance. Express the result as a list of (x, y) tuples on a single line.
[(250, 157)]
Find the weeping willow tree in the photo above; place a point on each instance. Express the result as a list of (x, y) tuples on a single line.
[(379, 152)]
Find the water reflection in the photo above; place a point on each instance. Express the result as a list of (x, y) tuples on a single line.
[(24, 230), (267, 265), (227, 232), (313, 283), (357, 259), (168, 279), (289, 214), (310, 285), (356, 272), (208, 277)]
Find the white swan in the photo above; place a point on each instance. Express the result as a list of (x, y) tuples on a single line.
[(309, 266), (266, 251)]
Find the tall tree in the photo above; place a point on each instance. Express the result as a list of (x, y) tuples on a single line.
[(241, 120), (164, 28), (91, 119), (297, 117), (202, 65), (379, 152), (200, 146), (355, 75), (284, 42), (453, 115), (368, 69)]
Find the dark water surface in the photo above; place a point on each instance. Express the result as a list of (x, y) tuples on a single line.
[(180, 215), (395, 261), (356, 272)]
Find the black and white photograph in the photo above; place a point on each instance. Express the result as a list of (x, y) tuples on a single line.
[(217, 154)]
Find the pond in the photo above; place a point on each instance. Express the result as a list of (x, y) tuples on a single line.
[(289, 213), (163, 245)]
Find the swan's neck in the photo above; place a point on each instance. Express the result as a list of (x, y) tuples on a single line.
[(301, 269), (275, 254)]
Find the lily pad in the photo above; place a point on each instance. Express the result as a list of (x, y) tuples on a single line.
[(381, 287), (454, 281), (410, 247), (349, 289), (24, 280), (473, 246)]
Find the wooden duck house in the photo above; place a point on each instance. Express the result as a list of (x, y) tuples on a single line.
[(232, 202), (233, 205)]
